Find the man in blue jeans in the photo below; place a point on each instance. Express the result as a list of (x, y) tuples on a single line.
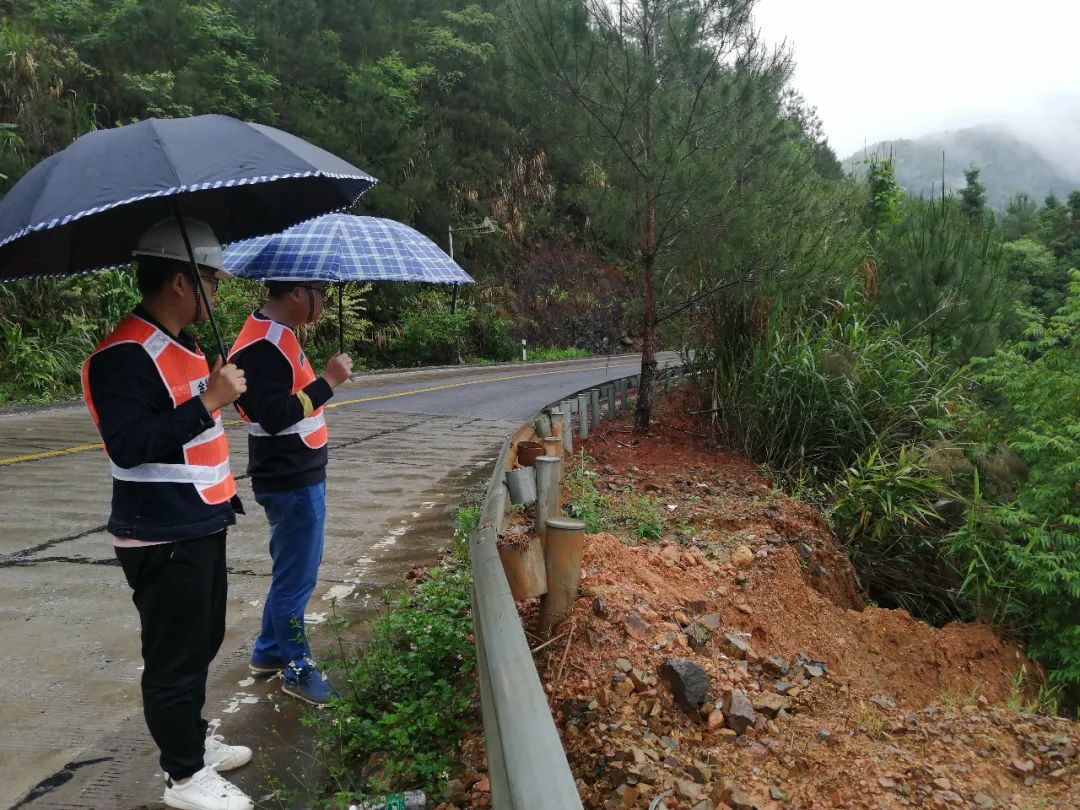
[(287, 463)]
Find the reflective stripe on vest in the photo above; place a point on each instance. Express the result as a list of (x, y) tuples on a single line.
[(173, 474), (304, 426), (184, 374), (311, 429)]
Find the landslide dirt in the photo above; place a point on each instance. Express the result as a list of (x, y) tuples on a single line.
[(750, 586)]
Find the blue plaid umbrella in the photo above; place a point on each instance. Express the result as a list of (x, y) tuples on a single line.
[(342, 247)]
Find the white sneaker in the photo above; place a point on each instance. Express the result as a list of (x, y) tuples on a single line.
[(205, 790), (222, 756)]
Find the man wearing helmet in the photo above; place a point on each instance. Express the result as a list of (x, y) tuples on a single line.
[(157, 406), (287, 462)]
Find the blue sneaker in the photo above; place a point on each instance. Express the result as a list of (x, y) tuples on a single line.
[(304, 681)]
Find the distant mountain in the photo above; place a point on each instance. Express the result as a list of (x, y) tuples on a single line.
[(1007, 165)]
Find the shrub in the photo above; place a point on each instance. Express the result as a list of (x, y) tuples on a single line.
[(808, 398), (49, 326), (887, 511), (1021, 557), (408, 693), (428, 333)]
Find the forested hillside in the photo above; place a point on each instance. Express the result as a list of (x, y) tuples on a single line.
[(1009, 165), (906, 363)]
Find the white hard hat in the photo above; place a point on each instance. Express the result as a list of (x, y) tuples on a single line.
[(165, 240)]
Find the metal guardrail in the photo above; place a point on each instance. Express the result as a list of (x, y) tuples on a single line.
[(527, 765)]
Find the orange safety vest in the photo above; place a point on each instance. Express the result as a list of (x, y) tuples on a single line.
[(311, 429), (184, 374)]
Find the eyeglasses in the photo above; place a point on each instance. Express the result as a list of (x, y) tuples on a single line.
[(210, 283), (320, 290)]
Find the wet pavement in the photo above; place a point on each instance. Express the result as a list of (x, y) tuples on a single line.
[(403, 448)]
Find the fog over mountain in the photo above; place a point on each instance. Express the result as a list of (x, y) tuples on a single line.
[(1015, 158)]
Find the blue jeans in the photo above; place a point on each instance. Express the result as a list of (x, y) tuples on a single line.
[(296, 517)]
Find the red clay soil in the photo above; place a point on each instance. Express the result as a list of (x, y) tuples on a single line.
[(907, 715)]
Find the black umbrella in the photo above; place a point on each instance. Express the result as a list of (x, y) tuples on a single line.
[(84, 208)]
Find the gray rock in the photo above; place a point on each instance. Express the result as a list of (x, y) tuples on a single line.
[(810, 667), (738, 711), (736, 646), (770, 703), (711, 621), (777, 666), (455, 791), (688, 682)]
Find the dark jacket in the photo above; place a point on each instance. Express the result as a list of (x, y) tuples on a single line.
[(278, 463), (140, 425)]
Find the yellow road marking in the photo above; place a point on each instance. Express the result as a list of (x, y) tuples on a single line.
[(66, 451), (82, 448), (466, 382)]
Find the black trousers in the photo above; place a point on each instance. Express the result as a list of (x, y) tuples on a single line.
[(179, 589)]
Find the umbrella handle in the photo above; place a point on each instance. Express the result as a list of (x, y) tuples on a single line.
[(197, 278), (341, 318)]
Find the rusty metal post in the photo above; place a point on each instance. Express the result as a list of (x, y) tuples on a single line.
[(563, 552)]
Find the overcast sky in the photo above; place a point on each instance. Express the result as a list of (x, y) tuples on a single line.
[(879, 70)]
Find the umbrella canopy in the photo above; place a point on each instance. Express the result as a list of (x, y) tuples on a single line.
[(342, 247), (83, 209)]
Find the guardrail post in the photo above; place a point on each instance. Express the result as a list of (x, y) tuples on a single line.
[(558, 425), (583, 416), (568, 431), (553, 447), (563, 551), (542, 426), (522, 485), (547, 492), (594, 407)]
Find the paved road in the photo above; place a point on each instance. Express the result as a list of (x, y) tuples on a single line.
[(402, 448)]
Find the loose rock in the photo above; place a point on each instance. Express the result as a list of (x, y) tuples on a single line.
[(688, 682), (738, 711)]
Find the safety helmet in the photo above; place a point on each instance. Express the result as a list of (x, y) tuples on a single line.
[(165, 241)]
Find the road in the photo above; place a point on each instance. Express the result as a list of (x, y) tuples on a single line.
[(403, 446)]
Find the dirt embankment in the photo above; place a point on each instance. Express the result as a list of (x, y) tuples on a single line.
[(733, 664)]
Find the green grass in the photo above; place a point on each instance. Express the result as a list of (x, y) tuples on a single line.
[(556, 353), (408, 694), (632, 512)]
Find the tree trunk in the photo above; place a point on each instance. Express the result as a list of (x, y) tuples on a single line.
[(643, 414)]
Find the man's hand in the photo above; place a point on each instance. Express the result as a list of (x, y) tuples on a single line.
[(338, 369), (224, 387)]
